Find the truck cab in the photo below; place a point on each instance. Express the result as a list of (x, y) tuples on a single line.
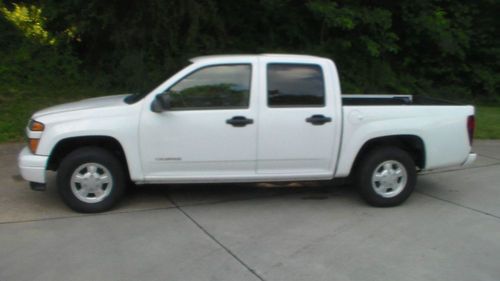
[(243, 118)]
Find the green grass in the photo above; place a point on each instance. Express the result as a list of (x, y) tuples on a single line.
[(487, 122), (17, 104)]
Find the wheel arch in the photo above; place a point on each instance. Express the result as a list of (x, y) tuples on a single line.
[(67, 145), (412, 144)]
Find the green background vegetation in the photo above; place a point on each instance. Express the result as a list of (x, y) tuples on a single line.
[(56, 51)]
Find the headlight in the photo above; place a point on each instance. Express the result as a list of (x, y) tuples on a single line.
[(34, 126)]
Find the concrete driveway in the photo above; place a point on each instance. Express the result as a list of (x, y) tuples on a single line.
[(448, 230)]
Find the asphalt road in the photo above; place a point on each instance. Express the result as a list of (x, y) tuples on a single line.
[(448, 230)]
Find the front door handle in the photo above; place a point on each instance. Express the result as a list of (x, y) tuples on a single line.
[(318, 119), (239, 121)]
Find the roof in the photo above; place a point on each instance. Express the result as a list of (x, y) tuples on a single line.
[(242, 56)]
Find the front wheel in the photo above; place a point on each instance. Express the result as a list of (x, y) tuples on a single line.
[(90, 180), (386, 177)]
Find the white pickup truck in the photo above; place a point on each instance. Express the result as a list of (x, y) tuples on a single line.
[(244, 118)]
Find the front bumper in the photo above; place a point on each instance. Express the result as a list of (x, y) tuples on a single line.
[(470, 159), (31, 166)]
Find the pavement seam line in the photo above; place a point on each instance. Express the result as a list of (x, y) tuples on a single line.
[(458, 169), (142, 210), (490, 157), (252, 271), (459, 205), (88, 215)]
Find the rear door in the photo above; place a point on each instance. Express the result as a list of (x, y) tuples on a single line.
[(297, 119)]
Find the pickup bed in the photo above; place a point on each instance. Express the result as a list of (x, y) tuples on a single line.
[(244, 118)]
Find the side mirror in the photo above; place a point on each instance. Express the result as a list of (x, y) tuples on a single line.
[(161, 103)]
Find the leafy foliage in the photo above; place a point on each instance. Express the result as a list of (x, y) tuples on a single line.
[(30, 21), (29, 53), (55, 51), (434, 47)]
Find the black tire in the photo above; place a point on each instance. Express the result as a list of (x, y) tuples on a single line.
[(102, 157), (370, 191)]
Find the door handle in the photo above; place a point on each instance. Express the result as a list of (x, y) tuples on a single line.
[(239, 121), (318, 119)]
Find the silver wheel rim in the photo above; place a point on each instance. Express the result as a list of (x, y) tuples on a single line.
[(389, 178), (91, 182)]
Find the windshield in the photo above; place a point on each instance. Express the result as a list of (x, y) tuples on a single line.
[(133, 98)]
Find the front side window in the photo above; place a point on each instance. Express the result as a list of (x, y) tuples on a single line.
[(295, 85), (213, 87)]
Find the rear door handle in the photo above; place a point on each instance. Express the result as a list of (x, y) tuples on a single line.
[(318, 119), (239, 121)]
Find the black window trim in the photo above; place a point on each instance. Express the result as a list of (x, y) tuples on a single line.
[(215, 108), (296, 106)]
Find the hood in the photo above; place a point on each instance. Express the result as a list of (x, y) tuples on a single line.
[(100, 102)]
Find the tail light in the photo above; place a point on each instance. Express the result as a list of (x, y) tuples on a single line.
[(471, 126)]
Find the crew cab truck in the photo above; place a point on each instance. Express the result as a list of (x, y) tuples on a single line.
[(244, 118)]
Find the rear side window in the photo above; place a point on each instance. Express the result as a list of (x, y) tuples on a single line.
[(295, 85)]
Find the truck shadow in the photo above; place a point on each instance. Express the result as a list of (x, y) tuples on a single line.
[(201, 194), (157, 196)]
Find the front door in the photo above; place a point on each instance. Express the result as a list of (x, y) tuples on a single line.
[(209, 132)]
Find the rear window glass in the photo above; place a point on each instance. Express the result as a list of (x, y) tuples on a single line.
[(295, 85)]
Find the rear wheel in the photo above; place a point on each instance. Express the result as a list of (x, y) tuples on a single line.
[(91, 179), (386, 177)]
